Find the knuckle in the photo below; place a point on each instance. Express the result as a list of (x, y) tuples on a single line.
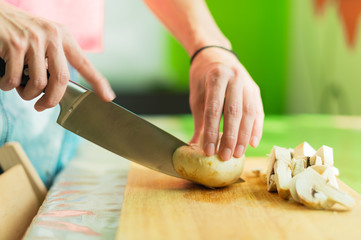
[(216, 71), (211, 133), (52, 29), (249, 110), (220, 70), (39, 83), (34, 38), (213, 109), (234, 110), (10, 83), (245, 135), (229, 138), (17, 43), (237, 72), (62, 78)]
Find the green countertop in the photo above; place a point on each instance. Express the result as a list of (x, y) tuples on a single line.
[(341, 133)]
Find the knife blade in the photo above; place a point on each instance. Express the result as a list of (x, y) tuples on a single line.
[(114, 127), (117, 129)]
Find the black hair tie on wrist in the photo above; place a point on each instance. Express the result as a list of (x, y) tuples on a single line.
[(210, 46)]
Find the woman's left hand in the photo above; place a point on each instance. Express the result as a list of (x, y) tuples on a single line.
[(220, 84)]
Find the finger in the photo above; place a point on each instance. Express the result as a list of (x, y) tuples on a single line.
[(248, 117), (232, 114), (258, 123), (59, 77), (78, 60), (37, 73), (197, 106), (13, 71), (216, 86)]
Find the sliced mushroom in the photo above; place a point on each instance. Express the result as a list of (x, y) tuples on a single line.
[(314, 192), (283, 176), (276, 154), (292, 151), (303, 150), (328, 173), (326, 155), (292, 187), (271, 183), (336, 171), (320, 169), (315, 161), (298, 165)]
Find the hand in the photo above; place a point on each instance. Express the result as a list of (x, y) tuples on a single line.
[(219, 83), (42, 44)]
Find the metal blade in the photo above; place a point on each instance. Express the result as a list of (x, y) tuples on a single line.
[(117, 129)]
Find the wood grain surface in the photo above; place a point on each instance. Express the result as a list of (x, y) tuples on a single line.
[(21, 191), (12, 154), (157, 206)]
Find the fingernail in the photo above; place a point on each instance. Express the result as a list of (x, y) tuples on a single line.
[(209, 149), (226, 154), (239, 151), (110, 93), (255, 141)]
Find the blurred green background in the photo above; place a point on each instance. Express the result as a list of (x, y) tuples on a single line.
[(298, 55), (142, 59)]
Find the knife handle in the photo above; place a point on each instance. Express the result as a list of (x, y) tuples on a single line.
[(25, 75), (72, 92)]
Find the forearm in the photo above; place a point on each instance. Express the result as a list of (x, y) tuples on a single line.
[(190, 22)]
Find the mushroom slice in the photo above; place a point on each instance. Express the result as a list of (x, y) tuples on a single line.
[(271, 183), (326, 155), (330, 177), (303, 150), (317, 160), (314, 192), (292, 187), (283, 176), (336, 171), (320, 169), (327, 173), (298, 165), (276, 154), (292, 151)]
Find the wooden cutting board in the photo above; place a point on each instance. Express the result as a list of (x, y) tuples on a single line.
[(157, 206)]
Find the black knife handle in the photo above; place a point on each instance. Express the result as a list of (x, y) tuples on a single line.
[(25, 75)]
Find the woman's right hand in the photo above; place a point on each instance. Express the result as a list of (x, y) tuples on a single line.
[(42, 45)]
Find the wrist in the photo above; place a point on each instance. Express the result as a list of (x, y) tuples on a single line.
[(198, 42), (212, 46)]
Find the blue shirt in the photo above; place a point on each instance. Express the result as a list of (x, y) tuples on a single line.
[(48, 145)]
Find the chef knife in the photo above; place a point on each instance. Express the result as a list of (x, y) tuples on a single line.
[(114, 127)]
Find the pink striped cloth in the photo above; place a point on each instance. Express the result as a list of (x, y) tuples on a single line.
[(84, 18)]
